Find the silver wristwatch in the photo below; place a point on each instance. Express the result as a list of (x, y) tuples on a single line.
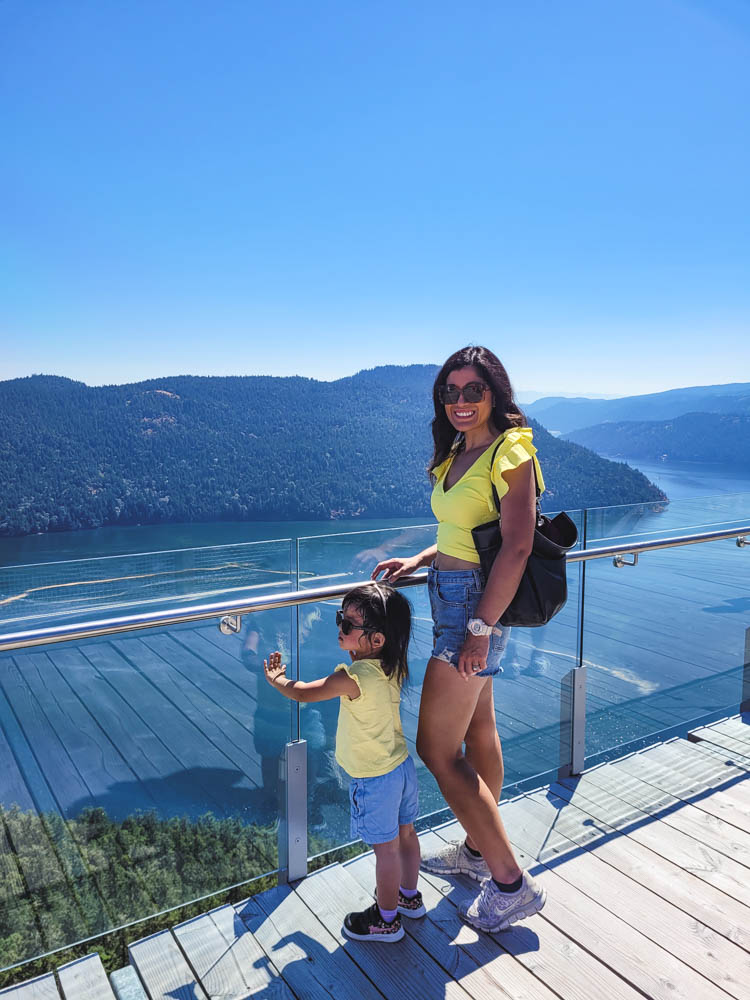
[(477, 626)]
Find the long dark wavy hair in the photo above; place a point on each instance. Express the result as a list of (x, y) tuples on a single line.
[(384, 609), (505, 410)]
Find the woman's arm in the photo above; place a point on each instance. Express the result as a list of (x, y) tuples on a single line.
[(518, 513), (333, 686), (393, 569)]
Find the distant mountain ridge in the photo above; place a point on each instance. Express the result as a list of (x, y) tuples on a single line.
[(723, 438), (565, 415), (195, 448)]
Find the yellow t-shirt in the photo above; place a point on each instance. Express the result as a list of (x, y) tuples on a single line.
[(369, 738), (469, 502)]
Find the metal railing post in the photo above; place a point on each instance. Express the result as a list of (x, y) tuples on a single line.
[(293, 825), (745, 697)]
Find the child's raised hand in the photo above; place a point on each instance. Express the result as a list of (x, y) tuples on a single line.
[(274, 669)]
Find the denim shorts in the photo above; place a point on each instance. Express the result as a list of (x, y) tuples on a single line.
[(454, 598), (379, 806)]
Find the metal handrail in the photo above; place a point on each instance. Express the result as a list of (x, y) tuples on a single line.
[(243, 606)]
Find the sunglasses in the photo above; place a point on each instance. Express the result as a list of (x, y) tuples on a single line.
[(472, 392), (347, 626)]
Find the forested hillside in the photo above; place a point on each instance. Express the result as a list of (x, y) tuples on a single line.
[(565, 415), (191, 448), (694, 437)]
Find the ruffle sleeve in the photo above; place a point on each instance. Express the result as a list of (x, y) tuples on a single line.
[(516, 448), (350, 673)]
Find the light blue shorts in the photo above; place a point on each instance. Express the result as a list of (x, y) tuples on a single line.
[(454, 598), (379, 806)]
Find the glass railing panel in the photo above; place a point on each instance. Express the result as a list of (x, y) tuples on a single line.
[(532, 695), (664, 641), (40, 594), (527, 695), (665, 519), (140, 773)]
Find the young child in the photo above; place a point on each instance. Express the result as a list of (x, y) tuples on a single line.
[(374, 628)]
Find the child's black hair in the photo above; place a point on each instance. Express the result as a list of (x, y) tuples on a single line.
[(384, 609)]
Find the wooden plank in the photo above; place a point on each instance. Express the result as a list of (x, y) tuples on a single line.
[(163, 969), (152, 763), (200, 702), (709, 905), (226, 958), (720, 739), (83, 736), (707, 829), (619, 946), (738, 728), (46, 852), (59, 771), (482, 967), (126, 985), (85, 979), (42, 988), (212, 776), (540, 825), (705, 863), (558, 962), (330, 894), (305, 952), (693, 778)]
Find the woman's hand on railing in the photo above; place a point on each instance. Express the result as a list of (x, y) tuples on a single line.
[(394, 569), (473, 655)]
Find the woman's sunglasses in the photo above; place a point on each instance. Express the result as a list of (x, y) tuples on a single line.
[(472, 392), (347, 626)]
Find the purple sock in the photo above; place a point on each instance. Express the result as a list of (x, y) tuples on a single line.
[(388, 915), (409, 893)]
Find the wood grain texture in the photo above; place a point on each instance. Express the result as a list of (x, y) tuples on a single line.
[(485, 970), (43, 988), (330, 894), (85, 979), (541, 818), (227, 959), (164, 970), (305, 952)]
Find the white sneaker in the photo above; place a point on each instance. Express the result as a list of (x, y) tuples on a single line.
[(494, 910), (454, 859)]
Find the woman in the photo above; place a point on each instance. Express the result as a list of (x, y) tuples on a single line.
[(479, 439)]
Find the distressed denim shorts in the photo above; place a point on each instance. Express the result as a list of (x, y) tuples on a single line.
[(379, 806), (454, 597)]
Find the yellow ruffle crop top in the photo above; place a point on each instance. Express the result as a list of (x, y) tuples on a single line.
[(369, 737), (469, 501)]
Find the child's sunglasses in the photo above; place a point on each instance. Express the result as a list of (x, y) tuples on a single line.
[(347, 626), (472, 392)]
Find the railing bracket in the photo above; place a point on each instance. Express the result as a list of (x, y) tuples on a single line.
[(742, 542), (230, 624), (619, 561)]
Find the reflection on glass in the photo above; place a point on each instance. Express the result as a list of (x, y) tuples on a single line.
[(139, 772), (527, 695), (84, 589), (665, 640)]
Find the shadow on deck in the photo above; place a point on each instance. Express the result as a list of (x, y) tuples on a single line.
[(646, 861)]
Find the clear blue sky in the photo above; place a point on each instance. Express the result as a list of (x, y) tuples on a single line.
[(248, 186)]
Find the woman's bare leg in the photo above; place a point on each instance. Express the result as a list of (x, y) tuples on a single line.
[(483, 750), (445, 717)]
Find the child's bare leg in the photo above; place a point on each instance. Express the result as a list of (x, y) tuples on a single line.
[(388, 873), (410, 854)]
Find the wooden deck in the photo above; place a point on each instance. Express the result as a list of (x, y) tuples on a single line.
[(646, 861)]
